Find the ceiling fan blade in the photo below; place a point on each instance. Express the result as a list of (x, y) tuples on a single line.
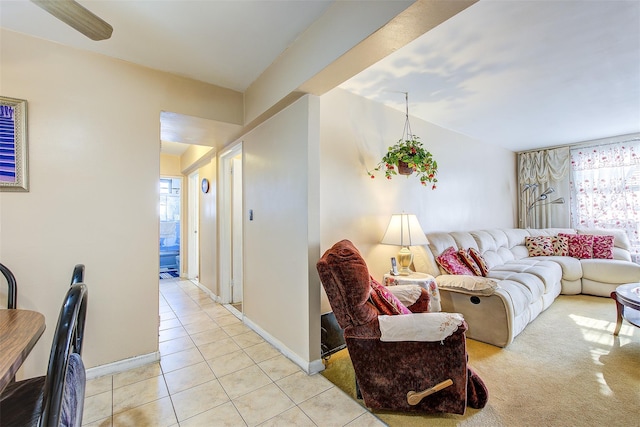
[(76, 16)]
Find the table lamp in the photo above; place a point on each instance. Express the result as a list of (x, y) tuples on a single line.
[(404, 230)]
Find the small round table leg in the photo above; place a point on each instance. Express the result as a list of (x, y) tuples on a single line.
[(620, 309)]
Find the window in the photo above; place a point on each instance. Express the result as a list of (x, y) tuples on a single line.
[(170, 199), (605, 188)]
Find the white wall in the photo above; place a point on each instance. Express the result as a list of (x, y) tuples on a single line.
[(207, 229), (281, 291), (476, 189), (94, 132), (170, 165)]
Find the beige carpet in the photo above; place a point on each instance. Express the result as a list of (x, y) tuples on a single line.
[(565, 369)]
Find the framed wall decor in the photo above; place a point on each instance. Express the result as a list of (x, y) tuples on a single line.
[(14, 152)]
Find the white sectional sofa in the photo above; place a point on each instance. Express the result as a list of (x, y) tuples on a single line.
[(522, 286)]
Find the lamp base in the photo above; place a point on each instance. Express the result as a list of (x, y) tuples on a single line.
[(405, 272), (405, 257)]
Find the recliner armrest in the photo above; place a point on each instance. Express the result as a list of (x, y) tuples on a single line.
[(427, 327)]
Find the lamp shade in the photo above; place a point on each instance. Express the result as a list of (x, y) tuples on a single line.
[(404, 230)]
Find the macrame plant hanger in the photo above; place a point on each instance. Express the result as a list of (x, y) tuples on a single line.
[(406, 132)]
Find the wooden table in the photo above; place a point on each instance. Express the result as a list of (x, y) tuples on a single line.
[(627, 298), (19, 332)]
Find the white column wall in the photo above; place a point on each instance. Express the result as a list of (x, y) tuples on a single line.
[(281, 293)]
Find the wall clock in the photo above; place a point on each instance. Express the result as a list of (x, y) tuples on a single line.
[(205, 185)]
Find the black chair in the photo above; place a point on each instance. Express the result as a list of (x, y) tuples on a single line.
[(12, 294), (78, 274), (78, 277), (56, 399)]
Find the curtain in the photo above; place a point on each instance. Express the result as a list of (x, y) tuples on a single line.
[(605, 188), (539, 172)]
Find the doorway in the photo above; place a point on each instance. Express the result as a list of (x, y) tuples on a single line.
[(169, 209), (231, 249)]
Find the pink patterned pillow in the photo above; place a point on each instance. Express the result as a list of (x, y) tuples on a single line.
[(580, 245), (560, 245), (603, 247), (539, 245), (469, 262), (385, 301), (451, 262), (480, 261)]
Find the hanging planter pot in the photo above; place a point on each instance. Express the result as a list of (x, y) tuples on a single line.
[(404, 169), (408, 155)]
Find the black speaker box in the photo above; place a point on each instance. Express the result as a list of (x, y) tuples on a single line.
[(332, 337)]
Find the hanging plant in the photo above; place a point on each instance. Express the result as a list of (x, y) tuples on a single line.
[(407, 156)]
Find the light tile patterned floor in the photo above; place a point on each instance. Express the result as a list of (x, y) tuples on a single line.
[(215, 371)]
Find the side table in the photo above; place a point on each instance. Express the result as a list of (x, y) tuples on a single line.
[(425, 281), (627, 298)]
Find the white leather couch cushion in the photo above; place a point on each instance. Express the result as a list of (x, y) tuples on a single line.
[(571, 267), (518, 297), (541, 277), (610, 271), (473, 285), (531, 286)]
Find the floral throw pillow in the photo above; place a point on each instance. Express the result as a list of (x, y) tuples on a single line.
[(385, 301), (451, 262), (539, 245), (560, 245), (603, 247), (480, 261), (469, 262), (580, 245)]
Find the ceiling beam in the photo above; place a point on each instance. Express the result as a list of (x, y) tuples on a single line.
[(416, 20), (349, 38)]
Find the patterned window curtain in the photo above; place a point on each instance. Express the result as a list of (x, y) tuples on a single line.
[(540, 172), (605, 188)]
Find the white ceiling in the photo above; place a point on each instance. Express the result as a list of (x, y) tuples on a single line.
[(178, 131), (226, 43), (521, 74)]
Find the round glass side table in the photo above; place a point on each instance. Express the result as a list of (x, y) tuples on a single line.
[(627, 298)]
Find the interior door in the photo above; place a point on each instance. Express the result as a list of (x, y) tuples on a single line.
[(193, 270), (230, 237), (236, 229)]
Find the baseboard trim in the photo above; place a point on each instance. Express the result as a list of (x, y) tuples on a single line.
[(316, 366), (123, 365), (234, 311), (206, 290), (310, 367)]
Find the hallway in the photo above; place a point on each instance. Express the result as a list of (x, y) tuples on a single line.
[(215, 371)]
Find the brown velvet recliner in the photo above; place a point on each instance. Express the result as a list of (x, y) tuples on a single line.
[(387, 371)]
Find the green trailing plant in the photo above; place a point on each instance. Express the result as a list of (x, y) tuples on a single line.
[(408, 155)]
